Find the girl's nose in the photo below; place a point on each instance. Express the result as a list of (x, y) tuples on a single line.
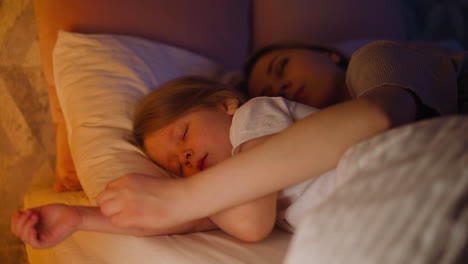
[(186, 157)]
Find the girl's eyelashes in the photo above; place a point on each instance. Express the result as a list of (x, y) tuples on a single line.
[(184, 134), (181, 170)]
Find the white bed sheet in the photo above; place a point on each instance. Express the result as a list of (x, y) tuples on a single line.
[(204, 247)]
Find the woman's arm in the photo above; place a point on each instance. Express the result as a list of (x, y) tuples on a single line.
[(306, 149)]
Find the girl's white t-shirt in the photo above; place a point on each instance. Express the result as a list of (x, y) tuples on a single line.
[(262, 116)]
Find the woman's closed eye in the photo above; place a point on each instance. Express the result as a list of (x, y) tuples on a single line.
[(266, 92), (280, 66)]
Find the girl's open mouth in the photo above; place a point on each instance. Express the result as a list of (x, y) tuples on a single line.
[(202, 162)]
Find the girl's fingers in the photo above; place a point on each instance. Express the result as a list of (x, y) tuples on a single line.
[(30, 230), (26, 226), (14, 222), (20, 223), (23, 225)]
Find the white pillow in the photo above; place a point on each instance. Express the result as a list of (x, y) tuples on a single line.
[(99, 80)]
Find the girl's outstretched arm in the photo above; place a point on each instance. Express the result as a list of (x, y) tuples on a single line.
[(306, 149), (48, 225)]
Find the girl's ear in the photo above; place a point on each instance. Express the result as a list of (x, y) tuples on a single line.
[(230, 105)]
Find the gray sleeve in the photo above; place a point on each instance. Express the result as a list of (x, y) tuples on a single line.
[(431, 76)]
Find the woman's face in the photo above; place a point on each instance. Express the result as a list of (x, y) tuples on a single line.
[(301, 75)]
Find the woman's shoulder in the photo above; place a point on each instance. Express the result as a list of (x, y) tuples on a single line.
[(427, 49), (429, 70)]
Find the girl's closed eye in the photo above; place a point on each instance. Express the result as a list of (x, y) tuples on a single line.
[(184, 134), (183, 137), (181, 170)]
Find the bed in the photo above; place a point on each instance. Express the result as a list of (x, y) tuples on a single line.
[(359, 205), (396, 204)]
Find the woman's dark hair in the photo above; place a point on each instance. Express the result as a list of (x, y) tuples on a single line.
[(250, 63)]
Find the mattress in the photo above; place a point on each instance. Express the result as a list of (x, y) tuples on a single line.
[(202, 247)]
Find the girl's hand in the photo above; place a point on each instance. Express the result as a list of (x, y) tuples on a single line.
[(45, 226), (143, 201)]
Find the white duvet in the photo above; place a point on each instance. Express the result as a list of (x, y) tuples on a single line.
[(402, 198)]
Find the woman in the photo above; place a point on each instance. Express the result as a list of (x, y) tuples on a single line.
[(385, 85), (317, 75)]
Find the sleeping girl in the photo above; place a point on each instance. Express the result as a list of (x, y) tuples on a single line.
[(193, 123), (187, 126)]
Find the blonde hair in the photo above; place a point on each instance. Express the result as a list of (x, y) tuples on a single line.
[(177, 98)]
